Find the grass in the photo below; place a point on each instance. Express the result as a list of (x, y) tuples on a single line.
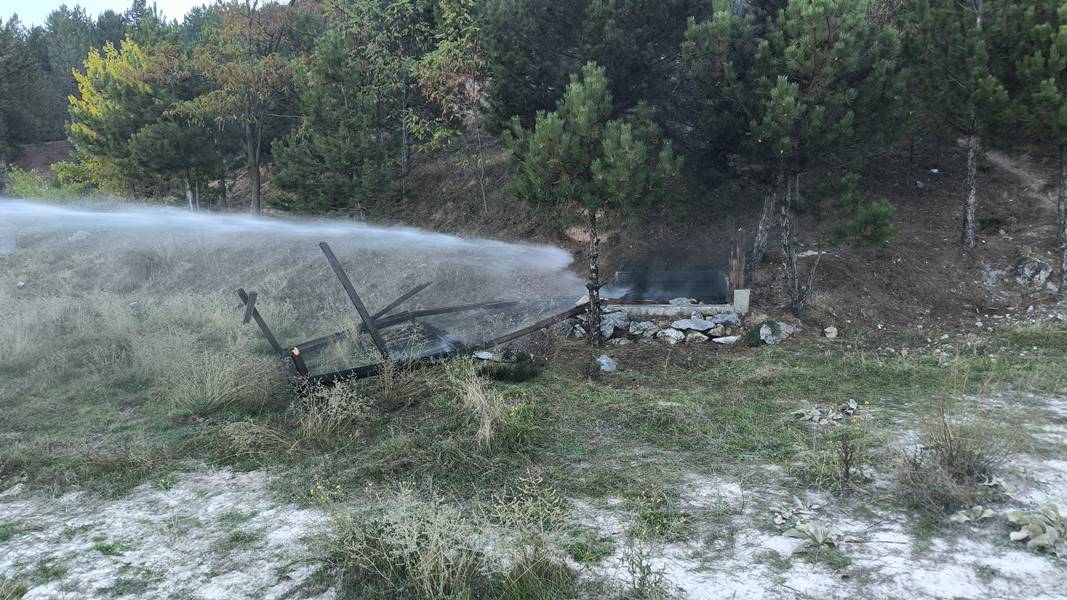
[(7, 531), (236, 541), (107, 548)]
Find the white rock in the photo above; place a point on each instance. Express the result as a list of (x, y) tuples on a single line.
[(643, 328), (609, 322), (606, 364), (730, 319), (579, 331), (830, 332), (694, 337), (728, 340), (671, 336), (716, 331), (20, 284), (483, 355), (619, 341), (768, 335), (693, 325)]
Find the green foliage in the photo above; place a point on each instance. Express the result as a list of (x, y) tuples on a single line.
[(12, 589), (533, 46), (815, 82), (814, 534), (1028, 49), (35, 186), (865, 221), (577, 159), (948, 64)]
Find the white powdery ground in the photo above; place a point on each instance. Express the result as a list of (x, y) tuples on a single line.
[(171, 542), (977, 562)]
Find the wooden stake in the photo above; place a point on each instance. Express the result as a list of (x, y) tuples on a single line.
[(372, 328)]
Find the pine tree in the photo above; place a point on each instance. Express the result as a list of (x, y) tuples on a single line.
[(948, 62), (1029, 43), (577, 160), (818, 84)]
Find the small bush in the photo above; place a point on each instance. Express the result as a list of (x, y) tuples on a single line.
[(947, 470), (535, 574), (411, 548), (646, 581), (211, 381), (330, 411), (485, 407), (865, 221), (247, 439), (33, 185), (835, 457)]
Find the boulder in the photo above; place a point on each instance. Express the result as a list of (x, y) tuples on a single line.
[(728, 340), (643, 328), (671, 336), (606, 364), (773, 332), (1032, 272), (694, 337), (729, 319), (693, 325), (609, 322), (717, 331)]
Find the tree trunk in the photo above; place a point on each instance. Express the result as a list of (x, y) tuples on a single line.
[(188, 190), (1062, 213), (970, 208), (759, 243), (222, 182), (252, 154), (481, 164), (799, 293), (196, 192), (593, 285)]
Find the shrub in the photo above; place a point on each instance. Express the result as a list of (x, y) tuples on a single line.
[(33, 185), (329, 411), (947, 470), (482, 404), (865, 221), (411, 548), (210, 381), (836, 457), (247, 439)]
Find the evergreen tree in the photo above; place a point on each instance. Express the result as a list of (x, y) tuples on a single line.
[(19, 77), (533, 46), (815, 85), (578, 160), (946, 53), (1029, 48), (362, 108)]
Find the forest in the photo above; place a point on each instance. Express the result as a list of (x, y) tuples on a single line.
[(607, 107)]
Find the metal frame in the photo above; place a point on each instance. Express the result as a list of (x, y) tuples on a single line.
[(379, 321)]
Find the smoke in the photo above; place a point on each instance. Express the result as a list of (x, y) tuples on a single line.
[(148, 253)]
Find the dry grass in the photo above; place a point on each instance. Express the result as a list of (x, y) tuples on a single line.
[(412, 548), (11, 589), (484, 405), (331, 411), (248, 439), (207, 382), (953, 460)]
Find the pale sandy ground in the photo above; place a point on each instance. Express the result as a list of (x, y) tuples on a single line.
[(171, 539)]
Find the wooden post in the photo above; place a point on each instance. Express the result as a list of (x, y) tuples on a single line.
[(737, 264), (372, 328), (259, 321), (298, 362), (250, 305)]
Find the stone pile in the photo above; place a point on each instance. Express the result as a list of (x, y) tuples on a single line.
[(619, 330)]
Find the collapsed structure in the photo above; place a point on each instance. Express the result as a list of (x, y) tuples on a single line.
[(439, 342)]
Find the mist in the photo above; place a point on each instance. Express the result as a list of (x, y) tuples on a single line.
[(78, 255)]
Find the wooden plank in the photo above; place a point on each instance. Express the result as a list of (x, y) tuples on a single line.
[(298, 362), (346, 283), (262, 324), (402, 299), (250, 305), (430, 312)]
